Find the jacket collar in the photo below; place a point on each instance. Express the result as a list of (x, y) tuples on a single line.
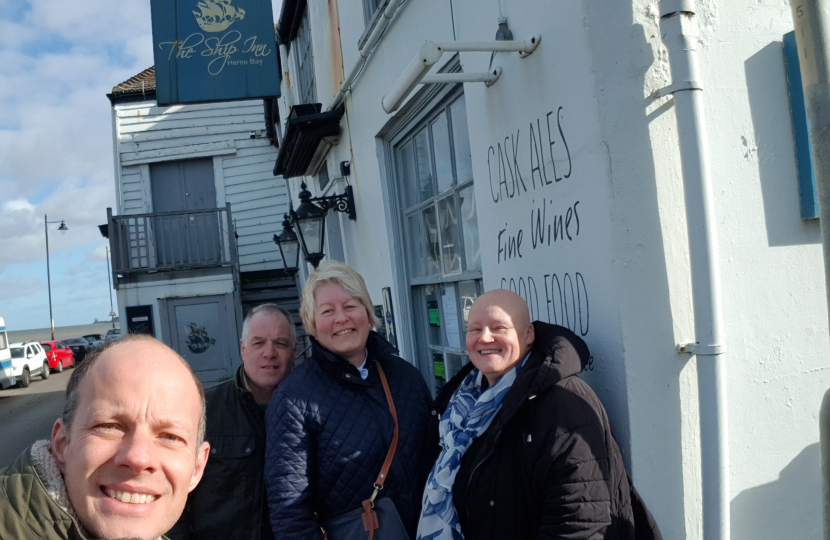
[(338, 367), (244, 395), (36, 499)]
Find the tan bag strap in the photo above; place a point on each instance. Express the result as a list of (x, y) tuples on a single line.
[(370, 518)]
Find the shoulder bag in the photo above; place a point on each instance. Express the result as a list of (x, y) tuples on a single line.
[(376, 520)]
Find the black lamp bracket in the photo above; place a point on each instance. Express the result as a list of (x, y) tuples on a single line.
[(340, 203)]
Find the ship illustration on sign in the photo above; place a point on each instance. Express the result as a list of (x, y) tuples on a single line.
[(198, 340), (217, 15)]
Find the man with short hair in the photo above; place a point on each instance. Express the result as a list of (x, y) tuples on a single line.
[(230, 501), (125, 453)]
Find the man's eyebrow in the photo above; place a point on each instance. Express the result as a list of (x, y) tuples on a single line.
[(176, 425)]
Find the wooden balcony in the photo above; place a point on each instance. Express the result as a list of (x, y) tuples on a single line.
[(148, 243)]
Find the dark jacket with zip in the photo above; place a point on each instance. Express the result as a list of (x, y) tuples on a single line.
[(229, 502), (329, 432), (548, 466)]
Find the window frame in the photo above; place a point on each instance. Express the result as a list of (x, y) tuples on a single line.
[(425, 123), (416, 114)]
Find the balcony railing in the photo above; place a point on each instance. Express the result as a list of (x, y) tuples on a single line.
[(144, 243)]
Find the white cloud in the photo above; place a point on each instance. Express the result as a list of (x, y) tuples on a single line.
[(100, 253), (59, 61)]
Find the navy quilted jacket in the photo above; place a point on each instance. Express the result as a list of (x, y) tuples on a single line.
[(328, 432)]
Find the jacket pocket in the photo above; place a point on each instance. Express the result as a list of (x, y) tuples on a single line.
[(233, 470)]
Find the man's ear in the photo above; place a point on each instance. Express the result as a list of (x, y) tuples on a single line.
[(531, 335), (201, 461), (241, 347), (60, 438)]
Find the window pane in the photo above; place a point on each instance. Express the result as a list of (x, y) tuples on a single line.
[(441, 148), (454, 363), (432, 243), (439, 369), (449, 236), (467, 293), (425, 187), (469, 225), (47, 347), (407, 175), (449, 303), (416, 246), (461, 141), (433, 315)]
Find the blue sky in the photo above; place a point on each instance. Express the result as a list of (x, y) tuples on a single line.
[(59, 60)]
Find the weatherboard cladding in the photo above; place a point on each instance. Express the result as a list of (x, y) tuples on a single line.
[(147, 133)]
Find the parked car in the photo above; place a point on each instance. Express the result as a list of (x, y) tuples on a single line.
[(95, 339), (80, 347), (59, 355), (113, 334), (28, 359)]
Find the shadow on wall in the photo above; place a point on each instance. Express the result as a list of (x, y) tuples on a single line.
[(789, 507), (622, 57), (774, 149)]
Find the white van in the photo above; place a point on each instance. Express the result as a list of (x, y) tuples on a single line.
[(6, 375)]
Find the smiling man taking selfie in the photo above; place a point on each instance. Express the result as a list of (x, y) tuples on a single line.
[(123, 456)]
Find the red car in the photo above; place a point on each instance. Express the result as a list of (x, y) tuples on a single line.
[(59, 355)]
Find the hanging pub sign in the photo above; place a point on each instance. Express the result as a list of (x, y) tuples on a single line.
[(214, 50)]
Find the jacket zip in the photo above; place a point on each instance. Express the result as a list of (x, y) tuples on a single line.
[(475, 469), (490, 452)]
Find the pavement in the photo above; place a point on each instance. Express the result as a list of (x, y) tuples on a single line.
[(28, 414)]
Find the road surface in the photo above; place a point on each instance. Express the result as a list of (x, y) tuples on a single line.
[(27, 414)]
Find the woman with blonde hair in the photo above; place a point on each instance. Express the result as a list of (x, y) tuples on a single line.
[(330, 424)]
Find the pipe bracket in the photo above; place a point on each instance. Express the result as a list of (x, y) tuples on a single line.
[(670, 7), (701, 350), (677, 87)]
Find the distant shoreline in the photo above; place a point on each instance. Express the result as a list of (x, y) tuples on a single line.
[(62, 332)]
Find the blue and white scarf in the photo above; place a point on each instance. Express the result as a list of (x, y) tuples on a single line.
[(468, 415)]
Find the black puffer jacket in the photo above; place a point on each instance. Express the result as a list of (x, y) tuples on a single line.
[(548, 466), (328, 432), (229, 502)]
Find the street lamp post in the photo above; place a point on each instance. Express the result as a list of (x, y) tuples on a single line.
[(109, 281), (62, 228)]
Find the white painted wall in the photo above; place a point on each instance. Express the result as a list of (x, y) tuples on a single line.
[(150, 292), (145, 133), (595, 70)]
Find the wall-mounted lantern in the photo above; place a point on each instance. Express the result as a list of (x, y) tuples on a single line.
[(289, 247), (309, 220)]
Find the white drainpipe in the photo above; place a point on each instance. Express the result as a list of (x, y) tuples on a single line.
[(366, 50), (679, 31)]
